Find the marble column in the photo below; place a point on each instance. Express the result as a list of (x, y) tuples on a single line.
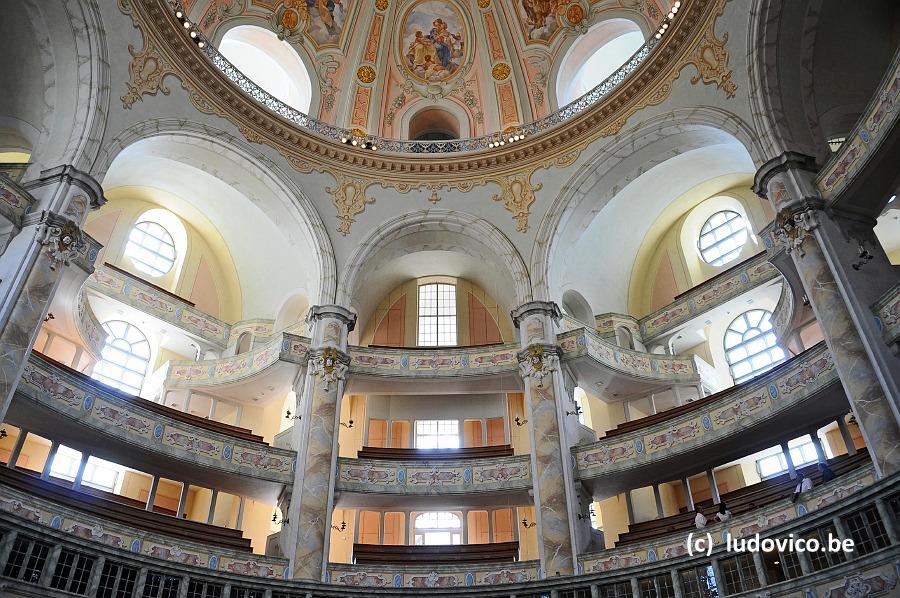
[(846, 436), (809, 237), (34, 262), (789, 461), (546, 403), (315, 437)]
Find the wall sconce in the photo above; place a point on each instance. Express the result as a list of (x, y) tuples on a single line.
[(3, 433), (591, 513), (287, 415), (864, 258), (50, 316), (520, 422), (341, 527), (577, 411), (278, 521), (348, 425), (527, 525)]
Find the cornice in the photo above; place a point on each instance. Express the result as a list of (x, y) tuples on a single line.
[(691, 40)]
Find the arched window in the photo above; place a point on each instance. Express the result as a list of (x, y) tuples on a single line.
[(433, 124), (151, 248), (437, 315), (596, 56), (125, 357), (437, 529), (269, 62), (750, 345), (722, 237)]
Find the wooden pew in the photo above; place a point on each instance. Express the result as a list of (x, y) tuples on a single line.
[(405, 454), (193, 420), (496, 552), (120, 511), (741, 500)]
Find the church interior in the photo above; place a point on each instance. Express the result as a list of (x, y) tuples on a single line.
[(491, 298)]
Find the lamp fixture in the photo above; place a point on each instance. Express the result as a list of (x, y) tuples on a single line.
[(348, 425), (526, 524), (3, 433), (341, 527), (577, 411), (277, 521), (287, 415), (520, 422)]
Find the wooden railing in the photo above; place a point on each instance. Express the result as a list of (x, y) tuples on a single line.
[(405, 454), (495, 552)]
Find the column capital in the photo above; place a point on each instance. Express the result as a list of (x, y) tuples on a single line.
[(330, 363), (320, 312), (538, 361), (535, 308), (69, 174), (786, 162)]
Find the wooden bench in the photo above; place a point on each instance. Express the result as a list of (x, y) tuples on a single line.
[(662, 416), (405, 454), (496, 552), (193, 420), (741, 500), (118, 509)]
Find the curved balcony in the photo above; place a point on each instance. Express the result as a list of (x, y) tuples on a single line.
[(95, 519), (14, 203), (769, 518), (843, 501), (718, 428), (386, 483), (735, 281), (136, 433), (872, 131)]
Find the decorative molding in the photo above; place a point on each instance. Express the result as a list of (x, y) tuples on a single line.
[(538, 362), (517, 194), (349, 198), (145, 74), (710, 57), (62, 238), (794, 224), (331, 365)]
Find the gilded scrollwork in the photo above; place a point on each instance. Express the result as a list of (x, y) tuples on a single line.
[(349, 198), (793, 225), (145, 74), (537, 364), (517, 194), (710, 57), (62, 238)]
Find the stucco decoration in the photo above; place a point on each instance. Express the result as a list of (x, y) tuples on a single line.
[(145, 74), (792, 226), (62, 238), (537, 364), (710, 57), (349, 197), (331, 366)]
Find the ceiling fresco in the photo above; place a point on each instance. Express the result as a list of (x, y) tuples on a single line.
[(378, 62)]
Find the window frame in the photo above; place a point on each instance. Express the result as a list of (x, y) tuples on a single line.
[(448, 320), (455, 533), (119, 382), (733, 252), (134, 248), (438, 433), (765, 333)]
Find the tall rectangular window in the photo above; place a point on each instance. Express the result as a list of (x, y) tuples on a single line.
[(437, 434), (437, 315)]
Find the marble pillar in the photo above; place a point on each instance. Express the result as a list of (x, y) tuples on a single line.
[(309, 514), (789, 183), (33, 263), (555, 496)]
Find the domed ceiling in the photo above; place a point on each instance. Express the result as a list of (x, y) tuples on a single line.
[(488, 64)]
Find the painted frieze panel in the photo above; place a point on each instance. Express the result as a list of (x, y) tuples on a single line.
[(441, 576)]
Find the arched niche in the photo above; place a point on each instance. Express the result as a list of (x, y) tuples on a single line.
[(433, 124), (271, 63), (594, 56), (575, 305)]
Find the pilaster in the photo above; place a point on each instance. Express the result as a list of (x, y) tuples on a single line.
[(805, 229), (311, 506), (32, 265), (546, 403)]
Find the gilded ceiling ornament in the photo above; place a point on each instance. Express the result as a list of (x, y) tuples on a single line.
[(365, 74), (349, 197), (381, 4), (145, 74), (710, 57), (484, 3), (501, 71), (517, 194)]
